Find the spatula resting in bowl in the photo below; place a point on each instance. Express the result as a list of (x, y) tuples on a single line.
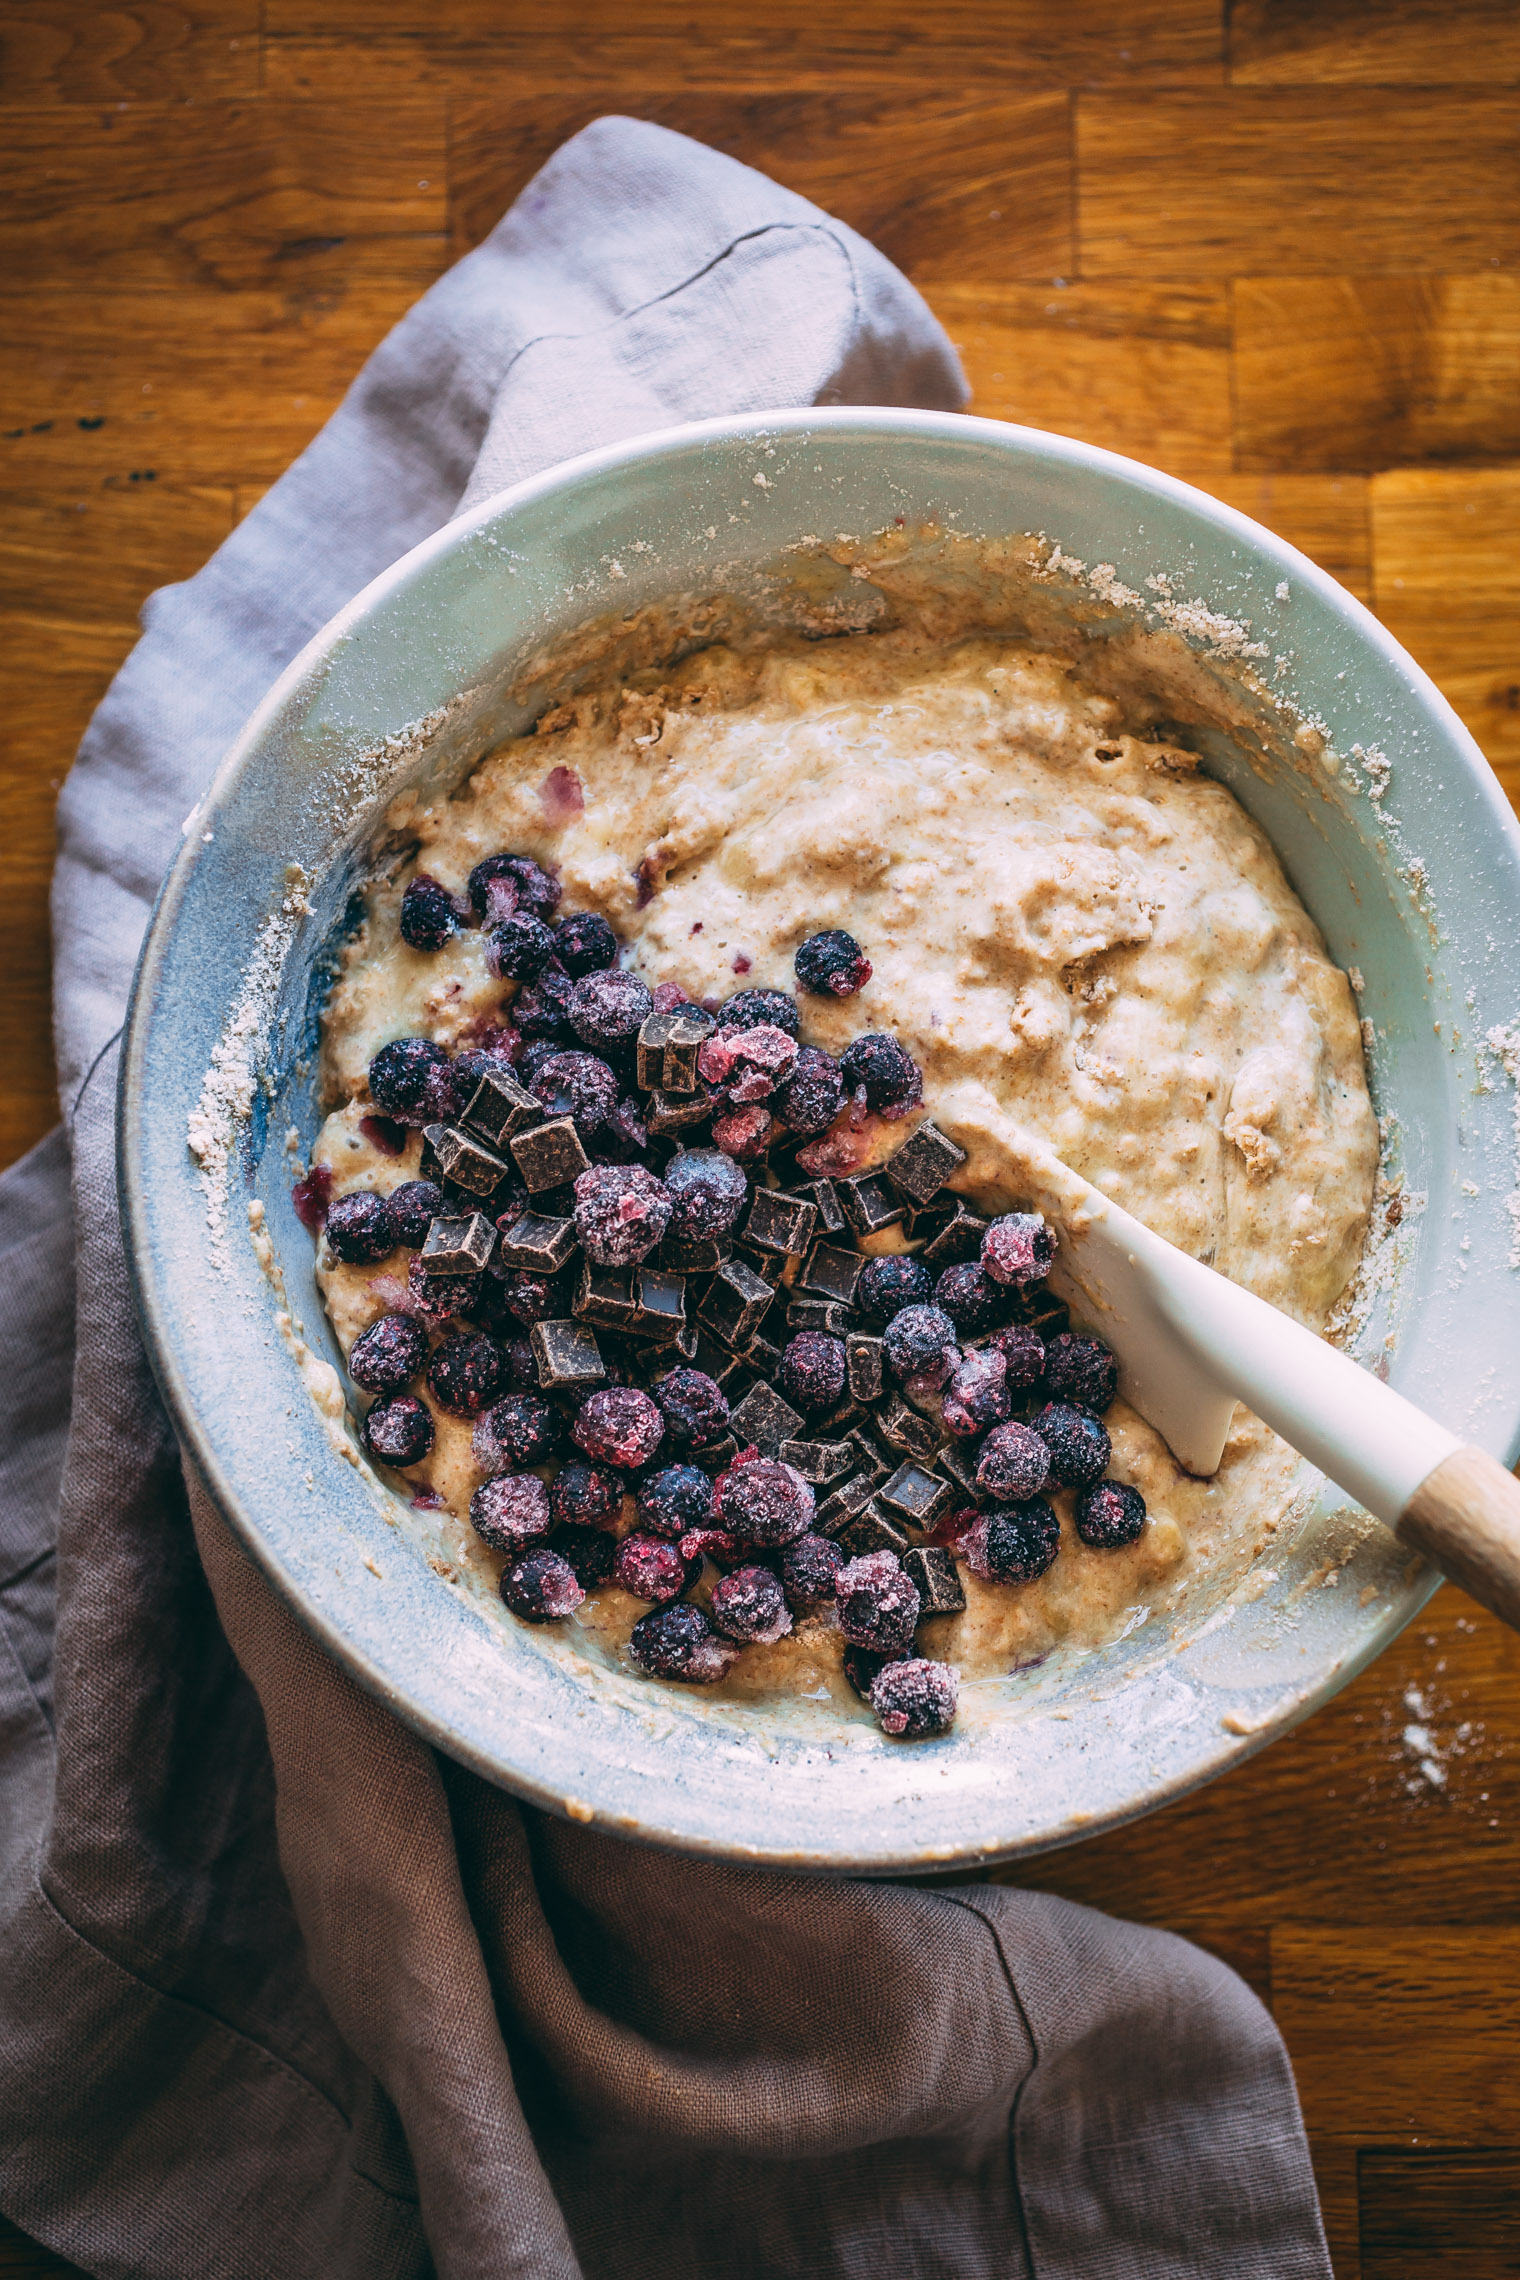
[(1190, 1343)]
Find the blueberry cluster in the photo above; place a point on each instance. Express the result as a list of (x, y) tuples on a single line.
[(636, 1258)]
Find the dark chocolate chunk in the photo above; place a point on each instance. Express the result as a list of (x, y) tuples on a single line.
[(678, 1257), (734, 1304), (960, 1237), (830, 1273), (823, 1314), (654, 1036), (536, 1243), (781, 1223), (936, 1578), (463, 1160), (499, 1107), (923, 1164), (873, 1530), (551, 1155), (869, 1456), (862, 1361), (673, 1112), (661, 1303), (821, 1462), (763, 1420), (686, 1040), (908, 1430), (868, 1202), (820, 1193), (762, 1356), (839, 1421), (770, 1266), (725, 1369), (716, 1456), (843, 1503), (565, 1354), (915, 1494), (604, 1297), (458, 1246), (958, 1461)]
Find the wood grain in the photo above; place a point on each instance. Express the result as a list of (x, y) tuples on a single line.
[(1378, 42), (1307, 182), (74, 51), (1465, 1519), (1324, 516), (1338, 372), (1441, 2215)]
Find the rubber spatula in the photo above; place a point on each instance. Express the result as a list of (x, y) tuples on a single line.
[(1190, 1343)]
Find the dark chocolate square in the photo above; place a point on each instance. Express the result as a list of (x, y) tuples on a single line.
[(565, 1354), (763, 1356), (873, 1530), (763, 1419), (958, 1461), (661, 1303), (868, 1202), (842, 1503), (818, 1314), (734, 1303), (869, 1456), (540, 1245), (780, 1223), (908, 1430), (820, 1462), (770, 1266), (924, 1163), (830, 1273), (692, 1029), (820, 1194), (959, 1238), (839, 1421), (551, 1156), (458, 1246), (604, 1297), (673, 1111), (863, 1366), (917, 1495), (726, 1370), (654, 1036), (500, 1106), (717, 1456), (464, 1161), (934, 1575), (700, 1258)]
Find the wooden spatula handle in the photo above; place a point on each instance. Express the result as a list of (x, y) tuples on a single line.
[(1465, 1516)]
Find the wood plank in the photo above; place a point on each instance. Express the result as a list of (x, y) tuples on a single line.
[(94, 553), (22, 2259), (1380, 42), (75, 51), (1303, 181), (1324, 516), (947, 185), (1335, 2181), (1372, 372), (288, 197), (338, 47), (1138, 369), (1447, 572), (196, 386), (1440, 2215), (1399, 2034)]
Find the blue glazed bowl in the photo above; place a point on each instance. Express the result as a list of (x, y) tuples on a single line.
[(1414, 877)]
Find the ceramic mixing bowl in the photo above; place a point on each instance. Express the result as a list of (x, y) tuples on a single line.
[(1406, 855)]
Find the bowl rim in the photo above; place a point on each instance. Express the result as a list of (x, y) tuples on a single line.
[(887, 422)]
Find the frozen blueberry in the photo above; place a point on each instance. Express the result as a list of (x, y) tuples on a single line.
[(809, 1565), (521, 1429), (832, 964), (1014, 1464), (532, 1298), (812, 1095), (679, 1642), (398, 1078), (534, 1054), (1015, 1544), (503, 884), (1018, 1248), (609, 1008), (429, 913), (920, 1343), (585, 944), (971, 1298), (621, 1211), (1081, 1370), (977, 1395), (388, 1354), (887, 1285), (675, 1499), (749, 1606), (585, 1496), (1110, 1513), (399, 1431), (540, 1586), (693, 1405), (511, 1511), (878, 1604), (707, 1192), (914, 1698), (414, 1207), (744, 1133), (501, 1048), (360, 1229), (437, 1298), (765, 1503), (647, 1567), (759, 1009), (541, 1008), (812, 1371), (892, 1080), (465, 1374), (1078, 1444), (1023, 1350), (625, 1134), (589, 1551), (519, 948), (620, 1426), (576, 1085)]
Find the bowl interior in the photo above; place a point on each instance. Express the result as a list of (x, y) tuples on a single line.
[(1389, 824)]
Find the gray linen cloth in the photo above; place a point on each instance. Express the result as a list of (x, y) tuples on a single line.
[(284, 1993)]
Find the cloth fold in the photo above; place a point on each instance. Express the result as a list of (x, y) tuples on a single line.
[(282, 1992)]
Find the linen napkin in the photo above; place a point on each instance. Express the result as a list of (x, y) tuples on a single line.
[(282, 1991)]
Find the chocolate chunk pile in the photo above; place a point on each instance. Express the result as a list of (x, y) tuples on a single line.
[(636, 1259)]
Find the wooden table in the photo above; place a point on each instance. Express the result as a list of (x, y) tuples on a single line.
[(1276, 255)]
